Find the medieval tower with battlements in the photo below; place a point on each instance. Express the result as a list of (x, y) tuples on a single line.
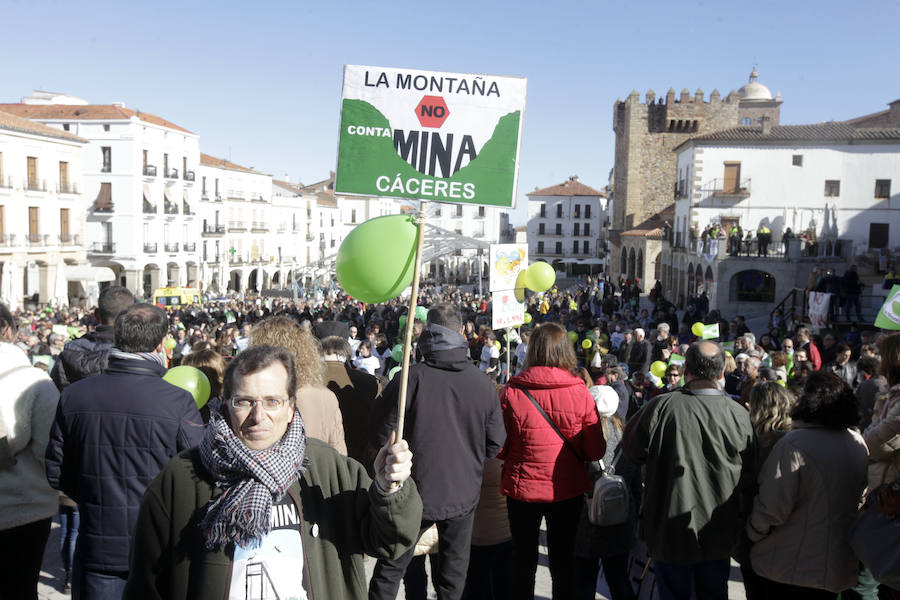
[(644, 175)]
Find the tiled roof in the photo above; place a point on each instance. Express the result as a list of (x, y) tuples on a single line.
[(874, 120), (212, 161), (15, 123), (571, 187), (92, 112), (326, 199), (288, 186), (652, 228), (831, 131)]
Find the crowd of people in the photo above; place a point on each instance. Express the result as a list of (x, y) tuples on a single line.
[(758, 446)]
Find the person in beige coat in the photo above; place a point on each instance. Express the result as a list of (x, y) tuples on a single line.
[(810, 489), (317, 404), (883, 435)]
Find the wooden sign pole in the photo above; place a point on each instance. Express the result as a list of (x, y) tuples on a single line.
[(410, 319), (508, 372)]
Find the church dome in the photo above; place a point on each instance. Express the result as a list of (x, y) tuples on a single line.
[(754, 90)]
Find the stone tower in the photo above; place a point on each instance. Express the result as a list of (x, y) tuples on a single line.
[(648, 131)]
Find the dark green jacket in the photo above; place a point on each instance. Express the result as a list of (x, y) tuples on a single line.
[(699, 451), (343, 518)]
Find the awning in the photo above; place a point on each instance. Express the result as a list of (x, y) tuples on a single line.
[(104, 197), (89, 273)]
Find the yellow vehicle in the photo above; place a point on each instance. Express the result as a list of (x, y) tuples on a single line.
[(176, 296)]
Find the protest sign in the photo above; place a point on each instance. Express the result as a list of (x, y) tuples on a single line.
[(889, 315), (507, 261), (445, 137), (507, 311)]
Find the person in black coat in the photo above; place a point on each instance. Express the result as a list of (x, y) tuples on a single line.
[(112, 435), (86, 356), (453, 423), (639, 358)]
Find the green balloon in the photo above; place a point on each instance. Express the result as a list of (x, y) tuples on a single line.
[(397, 353), (573, 337), (586, 343), (191, 379), (540, 277), (421, 314), (375, 262), (402, 323)]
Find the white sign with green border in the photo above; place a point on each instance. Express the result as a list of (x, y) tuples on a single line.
[(443, 137)]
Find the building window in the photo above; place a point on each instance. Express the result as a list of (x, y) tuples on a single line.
[(577, 230), (33, 222), (106, 127), (540, 229), (732, 177), (559, 211), (165, 165), (480, 211), (558, 229), (577, 211), (353, 215), (882, 188), (184, 168), (878, 235), (587, 229), (204, 185), (459, 210), (65, 126), (32, 173), (106, 153), (437, 211), (145, 160), (540, 247), (832, 188), (797, 160), (559, 247), (63, 176), (587, 212), (746, 121), (64, 223), (586, 247), (217, 188), (543, 210), (575, 247)]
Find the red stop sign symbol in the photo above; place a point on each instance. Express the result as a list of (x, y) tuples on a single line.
[(432, 111)]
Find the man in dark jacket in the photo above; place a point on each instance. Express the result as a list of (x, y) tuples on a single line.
[(453, 423), (86, 355), (641, 353), (699, 450), (113, 433)]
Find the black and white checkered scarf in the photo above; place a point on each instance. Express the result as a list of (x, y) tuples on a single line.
[(252, 480)]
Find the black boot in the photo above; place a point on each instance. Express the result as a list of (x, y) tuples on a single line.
[(67, 584)]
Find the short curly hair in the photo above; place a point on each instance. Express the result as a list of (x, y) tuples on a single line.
[(285, 332), (827, 400)]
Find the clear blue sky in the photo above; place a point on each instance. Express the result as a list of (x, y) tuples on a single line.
[(261, 81)]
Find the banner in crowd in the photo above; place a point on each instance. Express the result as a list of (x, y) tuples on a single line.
[(818, 309), (506, 310), (444, 137), (507, 261), (889, 315)]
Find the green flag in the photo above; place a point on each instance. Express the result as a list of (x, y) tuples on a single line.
[(889, 315), (710, 331), (676, 359)]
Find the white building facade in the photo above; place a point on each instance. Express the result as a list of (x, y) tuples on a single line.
[(836, 187), (567, 227), (41, 214), (139, 183)]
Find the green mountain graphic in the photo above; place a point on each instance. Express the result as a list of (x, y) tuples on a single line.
[(362, 159)]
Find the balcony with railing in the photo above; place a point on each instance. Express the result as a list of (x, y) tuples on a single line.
[(150, 248), (171, 174), (5, 182), (213, 230), (189, 176), (236, 260), (237, 195), (149, 171), (204, 197), (171, 247), (237, 226), (218, 198), (7, 240), (170, 208), (102, 248), (726, 189), (257, 198), (66, 188), (106, 168), (33, 185), (37, 239), (259, 227), (190, 246), (67, 239)]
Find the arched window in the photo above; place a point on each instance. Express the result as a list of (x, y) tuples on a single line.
[(752, 286), (640, 265), (624, 266), (631, 265)]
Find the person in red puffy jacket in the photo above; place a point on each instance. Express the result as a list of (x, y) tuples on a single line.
[(542, 476)]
